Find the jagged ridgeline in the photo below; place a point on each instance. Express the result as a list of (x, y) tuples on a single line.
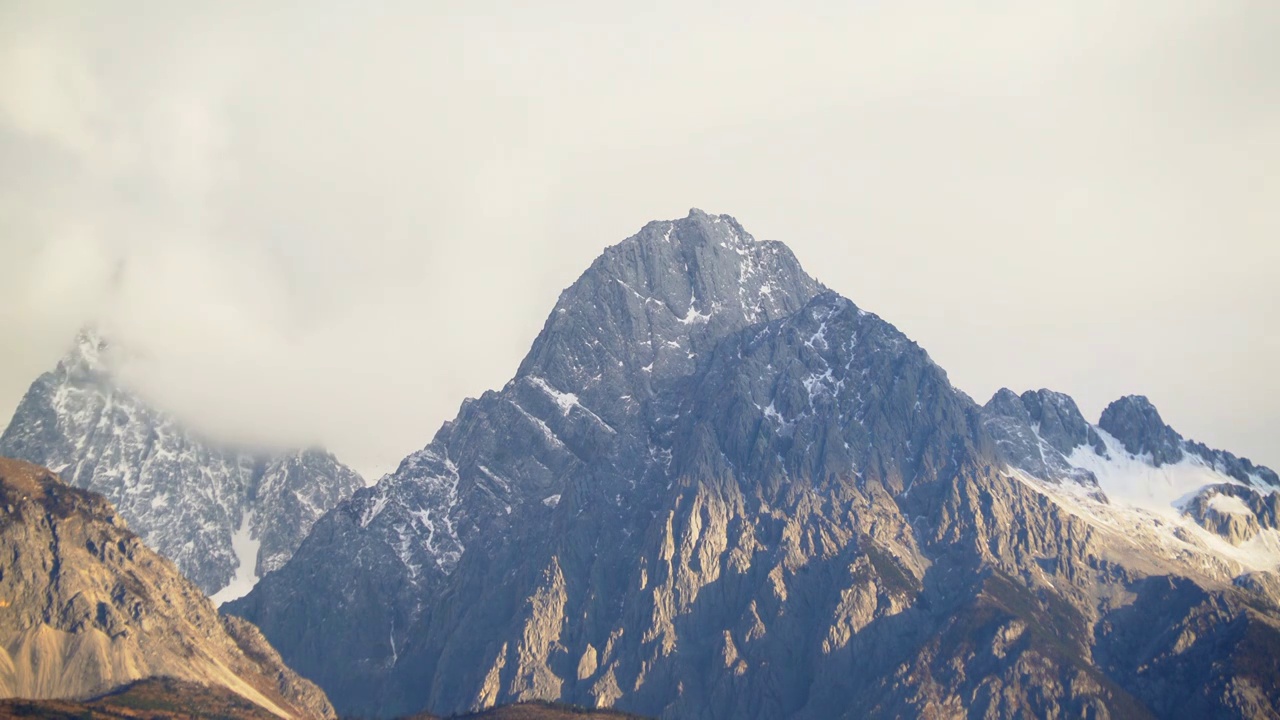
[(86, 608), (715, 489), (226, 516)]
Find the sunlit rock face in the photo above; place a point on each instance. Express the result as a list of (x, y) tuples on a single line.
[(716, 489), (86, 607)]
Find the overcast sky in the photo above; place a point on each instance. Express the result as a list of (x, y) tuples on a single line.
[(323, 223)]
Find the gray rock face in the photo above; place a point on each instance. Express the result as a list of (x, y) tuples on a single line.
[(1238, 468), (1136, 423), (1037, 431), (585, 403), (716, 490), (1059, 421), (185, 496)]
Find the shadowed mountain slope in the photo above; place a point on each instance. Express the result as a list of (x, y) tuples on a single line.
[(715, 489), (225, 516)]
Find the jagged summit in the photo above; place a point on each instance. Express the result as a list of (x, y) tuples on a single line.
[(220, 513), (1038, 431), (88, 349), (1059, 420), (1136, 423), (715, 489), (1054, 415), (1141, 469), (647, 307)]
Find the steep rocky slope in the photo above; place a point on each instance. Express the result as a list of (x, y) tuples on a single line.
[(221, 514), (715, 489), (582, 403), (149, 699), (86, 607)]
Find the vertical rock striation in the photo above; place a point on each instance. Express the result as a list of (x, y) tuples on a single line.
[(715, 489), (187, 497)]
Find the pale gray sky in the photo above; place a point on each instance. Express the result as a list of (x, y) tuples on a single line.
[(324, 222)]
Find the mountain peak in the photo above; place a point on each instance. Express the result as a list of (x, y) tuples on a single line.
[(1007, 403), (89, 353), (82, 420), (1136, 423), (1059, 421), (648, 306), (1038, 431), (697, 229), (708, 455)]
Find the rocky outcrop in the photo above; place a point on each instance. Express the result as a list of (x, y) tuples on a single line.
[(1037, 431), (187, 497), (85, 607), (1136, 423), (1236, 512), (715, 489), (586, 402)]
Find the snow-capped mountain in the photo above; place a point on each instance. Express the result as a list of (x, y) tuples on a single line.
[(1135, 475), (224, 516), (715, 489)]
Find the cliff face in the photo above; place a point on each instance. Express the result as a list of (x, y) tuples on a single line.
[(199, 504), (85, 607), (715, 489)]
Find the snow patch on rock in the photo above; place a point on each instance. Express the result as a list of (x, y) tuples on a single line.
[(1135, 481), (245, 547), (1229, 504)]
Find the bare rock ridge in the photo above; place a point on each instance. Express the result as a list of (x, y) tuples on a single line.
[(715, 489), (582, 403), (86, 607), (188, 498), (1136, 423)]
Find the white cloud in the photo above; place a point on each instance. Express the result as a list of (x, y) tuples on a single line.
[(322, 223)]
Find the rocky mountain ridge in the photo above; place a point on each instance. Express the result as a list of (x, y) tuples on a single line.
[(226, 516), (715, 489), (86, 607)]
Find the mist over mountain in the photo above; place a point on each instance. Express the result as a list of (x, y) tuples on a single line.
[(225, 515), (266, 203), (715, 488), (351, 369)]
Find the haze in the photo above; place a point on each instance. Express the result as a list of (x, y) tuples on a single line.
[(318, 223)]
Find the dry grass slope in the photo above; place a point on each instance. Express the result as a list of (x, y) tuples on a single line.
[(152, 699), (537, 710)]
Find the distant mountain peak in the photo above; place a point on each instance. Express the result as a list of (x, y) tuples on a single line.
[(1135, 422), (1059, 420), (191, 499), (649, 306), (90, 354), (715, 489)]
